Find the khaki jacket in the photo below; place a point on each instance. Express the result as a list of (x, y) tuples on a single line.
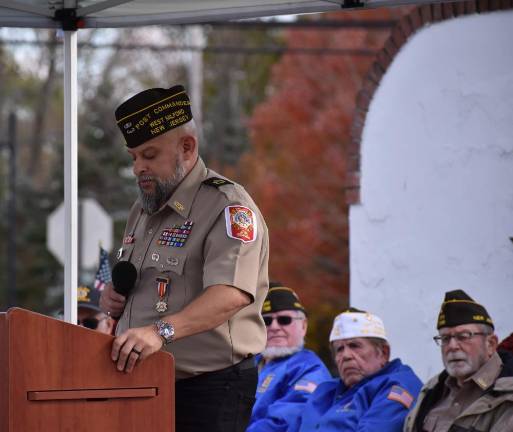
[(492, 412)]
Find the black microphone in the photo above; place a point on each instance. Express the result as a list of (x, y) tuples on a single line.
[(124, 275)]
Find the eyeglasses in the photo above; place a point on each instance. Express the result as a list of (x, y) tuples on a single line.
[(464, 336), (283, 320)]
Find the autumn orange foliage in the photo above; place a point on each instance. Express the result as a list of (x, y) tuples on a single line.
[(297, 165)]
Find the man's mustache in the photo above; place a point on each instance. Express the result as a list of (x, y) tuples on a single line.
[(456, 356), (145, 178)]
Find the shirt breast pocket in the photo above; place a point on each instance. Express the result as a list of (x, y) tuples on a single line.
[(172, 262)]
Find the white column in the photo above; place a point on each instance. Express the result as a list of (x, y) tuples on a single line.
[(195, 69), (70, 177)]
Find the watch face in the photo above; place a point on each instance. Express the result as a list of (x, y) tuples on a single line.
[(166, 331)]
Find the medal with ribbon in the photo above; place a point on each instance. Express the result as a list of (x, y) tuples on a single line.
[(162, 287)]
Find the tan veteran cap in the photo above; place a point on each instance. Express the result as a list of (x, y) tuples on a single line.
[(153, 112)]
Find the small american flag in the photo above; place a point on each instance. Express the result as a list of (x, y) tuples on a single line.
[(103, 274), (400, 395), (305, 385)]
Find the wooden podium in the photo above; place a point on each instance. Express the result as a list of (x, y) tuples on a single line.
[(55, 376)]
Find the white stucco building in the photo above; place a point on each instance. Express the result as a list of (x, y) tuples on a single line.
[(435, 205)]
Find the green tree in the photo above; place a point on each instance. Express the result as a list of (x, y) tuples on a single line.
[(20, 93), (234, 83), (33, 87)]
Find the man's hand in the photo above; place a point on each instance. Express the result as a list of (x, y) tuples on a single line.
[(111, 302), (135, 345)]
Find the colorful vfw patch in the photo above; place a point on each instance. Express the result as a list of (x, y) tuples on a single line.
[(241, 223), (175, 236)]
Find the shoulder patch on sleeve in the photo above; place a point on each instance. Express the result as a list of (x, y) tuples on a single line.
[(241, 223), (216, 181), (265, 383), (305, 385), (398, 394)]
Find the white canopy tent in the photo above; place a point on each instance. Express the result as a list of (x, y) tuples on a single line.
[(71, 15)]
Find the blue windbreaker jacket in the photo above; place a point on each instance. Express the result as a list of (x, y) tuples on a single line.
[(378, 403), (284, 386)]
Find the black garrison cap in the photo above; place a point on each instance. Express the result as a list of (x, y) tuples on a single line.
[(459, 308), (281, 298), (153, 112)]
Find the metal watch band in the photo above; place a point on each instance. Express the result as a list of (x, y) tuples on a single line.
[(165, 330)]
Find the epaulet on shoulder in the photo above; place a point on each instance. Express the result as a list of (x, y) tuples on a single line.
[(216, 182)]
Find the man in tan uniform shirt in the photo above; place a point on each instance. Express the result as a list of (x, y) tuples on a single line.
[(475, 391), (200, 248)]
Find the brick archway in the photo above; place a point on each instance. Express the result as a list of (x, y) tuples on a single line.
[(414, 21)]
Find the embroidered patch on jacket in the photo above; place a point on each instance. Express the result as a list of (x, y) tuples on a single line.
[(400, 395), (305, 385), (240, 223), (265, 383)]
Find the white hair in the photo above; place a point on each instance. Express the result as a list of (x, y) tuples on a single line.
[(484, 328), (188, 128)]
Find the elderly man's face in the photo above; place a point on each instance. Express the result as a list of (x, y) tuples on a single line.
[(357, 358), (288, 335), (463, 358), (158, 166)]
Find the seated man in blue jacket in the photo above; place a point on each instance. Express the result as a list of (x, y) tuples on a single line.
[(288, 373), (372, 394)]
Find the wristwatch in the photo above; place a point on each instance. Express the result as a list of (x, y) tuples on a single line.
[(165, 330)]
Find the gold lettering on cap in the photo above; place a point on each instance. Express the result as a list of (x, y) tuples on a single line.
[(169, 105), (157, 130), (143, 120), (156, 122), (174, 114), (178, 121), (155, 103)]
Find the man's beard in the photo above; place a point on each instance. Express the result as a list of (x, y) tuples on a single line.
[(151, 202), (464, 368), (271, 353)]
